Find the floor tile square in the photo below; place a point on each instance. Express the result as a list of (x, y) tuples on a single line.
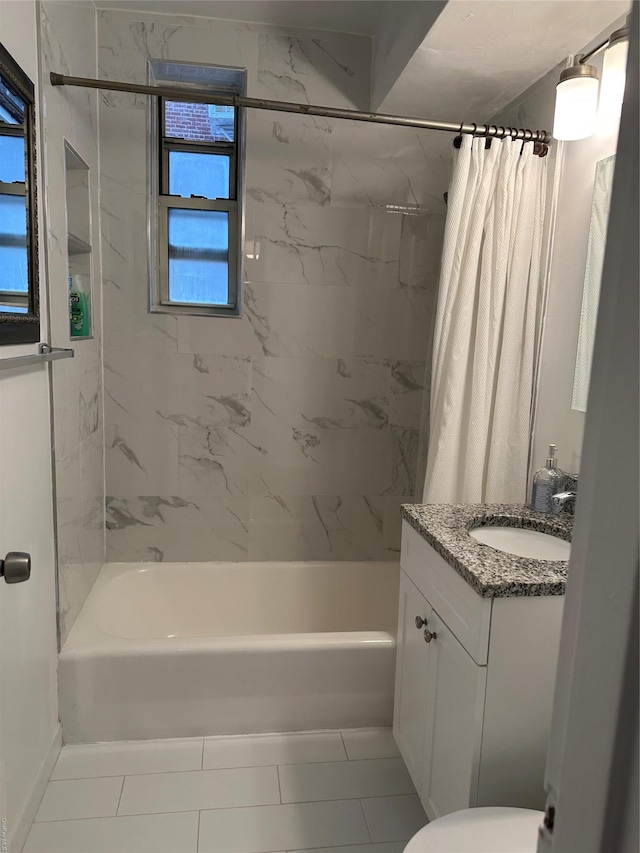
[(287, 827), (255, 750), (200, 789), (394, 818), (78, 798), (370, 743), (81, 761), (162, 833), (343, 780)]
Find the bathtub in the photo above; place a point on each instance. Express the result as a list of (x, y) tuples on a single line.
[(192, 649)]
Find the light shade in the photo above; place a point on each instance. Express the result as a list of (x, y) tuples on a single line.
[(576, 104), (614, 75)]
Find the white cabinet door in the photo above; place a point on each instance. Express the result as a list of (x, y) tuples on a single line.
[(412, 664), (453, 734)]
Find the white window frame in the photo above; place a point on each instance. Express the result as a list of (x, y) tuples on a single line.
[(160, 202)]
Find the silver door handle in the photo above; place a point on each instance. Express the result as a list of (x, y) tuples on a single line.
[(429, 635), (16, 567)]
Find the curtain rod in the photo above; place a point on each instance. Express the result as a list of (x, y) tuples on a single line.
[(218, 99)]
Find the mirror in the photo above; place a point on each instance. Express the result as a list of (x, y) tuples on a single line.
[(593, 273), (19, 309)]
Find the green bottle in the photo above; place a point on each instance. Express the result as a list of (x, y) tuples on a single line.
[(78, 309)]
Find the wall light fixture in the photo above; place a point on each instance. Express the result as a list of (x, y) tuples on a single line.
[(614, 76), (576, 102)]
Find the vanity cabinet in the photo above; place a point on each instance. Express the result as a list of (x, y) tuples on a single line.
[(474, 694)]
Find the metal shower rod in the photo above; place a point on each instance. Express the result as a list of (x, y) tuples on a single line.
[(219, 99)]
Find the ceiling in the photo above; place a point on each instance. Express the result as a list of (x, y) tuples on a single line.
[(348, 16), (481, 54)]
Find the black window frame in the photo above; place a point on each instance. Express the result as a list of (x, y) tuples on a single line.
[(23, 328)]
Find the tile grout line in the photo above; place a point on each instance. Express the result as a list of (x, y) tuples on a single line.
[(202, 760), (341, 761), (279, 784), (366, 822), (142, 773), (234, 808), (344, 746), (233, 767), (120, 797), (198, 832)]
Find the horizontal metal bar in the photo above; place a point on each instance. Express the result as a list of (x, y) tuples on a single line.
[(45, 353), (585, 56), (15, 188), (304, 109)]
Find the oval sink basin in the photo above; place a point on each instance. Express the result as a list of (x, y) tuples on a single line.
[(523, 542)]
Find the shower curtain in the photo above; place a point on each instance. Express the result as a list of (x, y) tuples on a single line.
[(487, 325)]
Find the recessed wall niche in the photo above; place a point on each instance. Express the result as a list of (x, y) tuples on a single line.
[(79, 278)]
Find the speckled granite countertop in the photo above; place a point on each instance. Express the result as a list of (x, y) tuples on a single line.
[(492, 573)]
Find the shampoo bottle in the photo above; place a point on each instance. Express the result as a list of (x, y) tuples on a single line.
[(78, 308), (547, 482)]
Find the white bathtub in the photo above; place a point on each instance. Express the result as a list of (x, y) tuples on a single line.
[(193, 649)]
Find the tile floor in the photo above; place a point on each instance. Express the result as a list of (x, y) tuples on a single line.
[(326, 792)]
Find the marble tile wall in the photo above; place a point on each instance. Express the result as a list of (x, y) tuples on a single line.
[(68, 45), (293, 431)]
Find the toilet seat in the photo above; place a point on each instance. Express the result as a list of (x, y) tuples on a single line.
[(482, 830)]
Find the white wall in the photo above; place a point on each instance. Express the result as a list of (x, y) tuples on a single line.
[(68, 46), (555, 421), (28, 697)]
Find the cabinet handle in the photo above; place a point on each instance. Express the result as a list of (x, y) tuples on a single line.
[(420, 622), (429, 635)]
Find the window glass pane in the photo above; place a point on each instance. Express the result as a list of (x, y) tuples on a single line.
[(198, 174), (198, 122), (11, 105), (199, 256), (13, 243), (14, 309), (11, 159)]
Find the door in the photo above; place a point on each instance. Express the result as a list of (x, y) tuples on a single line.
[(28, 695), (453, 734), (412, 666)]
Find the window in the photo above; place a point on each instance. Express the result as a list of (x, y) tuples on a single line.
[(198, 161), (14, 292)]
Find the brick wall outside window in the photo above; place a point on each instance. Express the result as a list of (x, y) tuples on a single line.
[(190, 121)]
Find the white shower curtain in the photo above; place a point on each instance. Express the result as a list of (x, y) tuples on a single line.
[(487, 325)]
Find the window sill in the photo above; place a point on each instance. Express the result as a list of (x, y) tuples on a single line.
[(196, 310)]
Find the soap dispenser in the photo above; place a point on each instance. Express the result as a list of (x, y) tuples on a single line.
[(78, 309), (547, 482)]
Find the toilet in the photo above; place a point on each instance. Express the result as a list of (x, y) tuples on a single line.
[(481, 830)]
